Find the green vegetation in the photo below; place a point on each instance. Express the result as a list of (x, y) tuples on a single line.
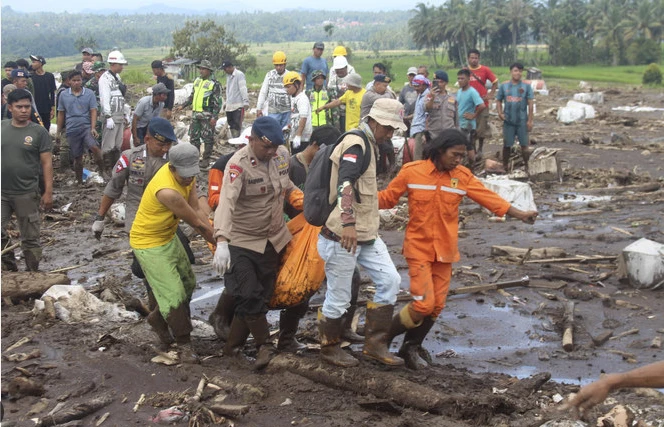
[(652, 75)]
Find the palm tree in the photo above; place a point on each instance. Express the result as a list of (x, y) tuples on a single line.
[(517, 13), (422, 29), (459, 24), (608, 21), (642, 20)]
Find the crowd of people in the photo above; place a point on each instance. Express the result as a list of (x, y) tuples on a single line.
[(254, 192)]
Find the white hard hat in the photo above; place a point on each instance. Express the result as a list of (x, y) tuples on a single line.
[(339, 62), (116, 57)]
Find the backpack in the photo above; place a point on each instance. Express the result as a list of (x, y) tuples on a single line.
[(317, 206)]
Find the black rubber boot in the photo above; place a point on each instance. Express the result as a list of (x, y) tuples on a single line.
[(222, 316), (179, 321), (525, 154), (330, 349), (8, 258), (237, 336), (288, 322), (347, 332), (31, 259), (377, 334), (411, 348), (506, 158), (260, 330)]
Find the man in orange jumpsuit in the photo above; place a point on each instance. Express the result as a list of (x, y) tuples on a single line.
[(435, 187)]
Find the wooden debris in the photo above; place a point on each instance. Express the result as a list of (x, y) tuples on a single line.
[(602, 338), (620, 230), (385, 386), (11, 248), (18, 343), (102, 419), (627, 357), (539, 253), (49, 306), (139, 402), (626, 333), (199, 390), (77, 412), (627, 304), (526, 256), (231, 411), (490, 286), (63, 269), (382, 405), (656, 342), (27, 284), (22, 357), (577, 258), (640, 188), (578, 270), (579, 213), (568, 335)]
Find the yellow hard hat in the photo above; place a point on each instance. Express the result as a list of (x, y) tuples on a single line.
[(339, 51), (279, 58), (292, 77)]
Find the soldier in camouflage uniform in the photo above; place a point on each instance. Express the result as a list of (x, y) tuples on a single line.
[(93, 84), (206, 102)]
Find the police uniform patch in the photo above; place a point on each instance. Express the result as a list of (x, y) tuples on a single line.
[(253, 162), (232, 175), (122, 163), (454, 182)]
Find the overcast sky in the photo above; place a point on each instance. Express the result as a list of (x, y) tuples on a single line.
[(222, 6)]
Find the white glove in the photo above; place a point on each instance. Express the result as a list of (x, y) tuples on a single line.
[(110, 124), (297, 141), (98, 228), (222, 258)]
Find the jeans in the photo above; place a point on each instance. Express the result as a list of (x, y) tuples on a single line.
[(339, 267), (282, 118)]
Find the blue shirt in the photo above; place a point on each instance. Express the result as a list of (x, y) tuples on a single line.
[(77, 109), (419, 115), (468, 100), (312, 64), (516, 98)]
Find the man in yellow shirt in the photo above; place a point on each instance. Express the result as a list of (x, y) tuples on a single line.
[(169, 197), (352, 98)]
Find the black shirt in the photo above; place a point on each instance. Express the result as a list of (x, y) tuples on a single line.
[(170, 85), (44, 91)]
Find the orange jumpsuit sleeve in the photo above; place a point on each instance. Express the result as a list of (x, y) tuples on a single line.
[(215, 178), (486, 198), (389, 197)]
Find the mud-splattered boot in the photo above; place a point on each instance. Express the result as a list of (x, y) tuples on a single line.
[(377, 334), (260, 329), (411, 349), (222, 316), (330, 348)]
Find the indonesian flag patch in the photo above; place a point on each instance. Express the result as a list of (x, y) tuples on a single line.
[(350, 158), (122, 164)]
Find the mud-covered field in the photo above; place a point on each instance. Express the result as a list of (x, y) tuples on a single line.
[(497, 355)]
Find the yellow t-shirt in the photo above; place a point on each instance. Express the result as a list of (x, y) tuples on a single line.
[(353, 103), (155, 225)]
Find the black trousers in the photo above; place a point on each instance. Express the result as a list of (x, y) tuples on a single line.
[(251, 279)]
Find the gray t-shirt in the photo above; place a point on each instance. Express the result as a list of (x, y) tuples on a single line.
[(146, 110), (21, 156), (77, 109)]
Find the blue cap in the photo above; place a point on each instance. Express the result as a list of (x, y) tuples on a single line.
[(442, 75), (162, 130), (268, 129), (19, 73), (382, 78)]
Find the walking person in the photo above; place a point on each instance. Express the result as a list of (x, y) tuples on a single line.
[(237, 98), (272, 98), (435, 187), (112, 99), (479, 76), (44, 86)]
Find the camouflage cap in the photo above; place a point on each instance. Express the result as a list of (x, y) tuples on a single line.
[(316, 74), (99, 66), (206, 64)]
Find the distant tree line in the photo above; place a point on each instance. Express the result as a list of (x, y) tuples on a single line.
[(613, 32)]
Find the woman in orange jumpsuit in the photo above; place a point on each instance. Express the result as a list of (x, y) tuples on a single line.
[(435, 188)]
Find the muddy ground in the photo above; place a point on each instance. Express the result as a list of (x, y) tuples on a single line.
[(493, 352)]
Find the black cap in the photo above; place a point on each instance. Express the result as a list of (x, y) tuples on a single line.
[(157, 64), (38, 58), (382, 78), (319, 45), (226, 63)]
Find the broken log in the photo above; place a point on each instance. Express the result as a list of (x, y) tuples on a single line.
[(383, 385), (76, 412), (524, 281), (578, 258), (626, 333), (230, 411), (28, 284), (539, 253), (568, 335), (640, 188)]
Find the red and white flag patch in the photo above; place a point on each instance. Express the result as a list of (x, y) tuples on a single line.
[(122, 164), (350, 158)]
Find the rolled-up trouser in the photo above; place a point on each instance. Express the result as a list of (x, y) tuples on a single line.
[(251, 278), (26, 208), (111, 139), (168, 270), (339, 267), (429, 285)]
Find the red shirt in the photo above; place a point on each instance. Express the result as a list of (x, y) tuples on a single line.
[(478, 78)]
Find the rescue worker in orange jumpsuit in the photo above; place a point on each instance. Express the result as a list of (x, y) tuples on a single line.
[(435, 188)]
